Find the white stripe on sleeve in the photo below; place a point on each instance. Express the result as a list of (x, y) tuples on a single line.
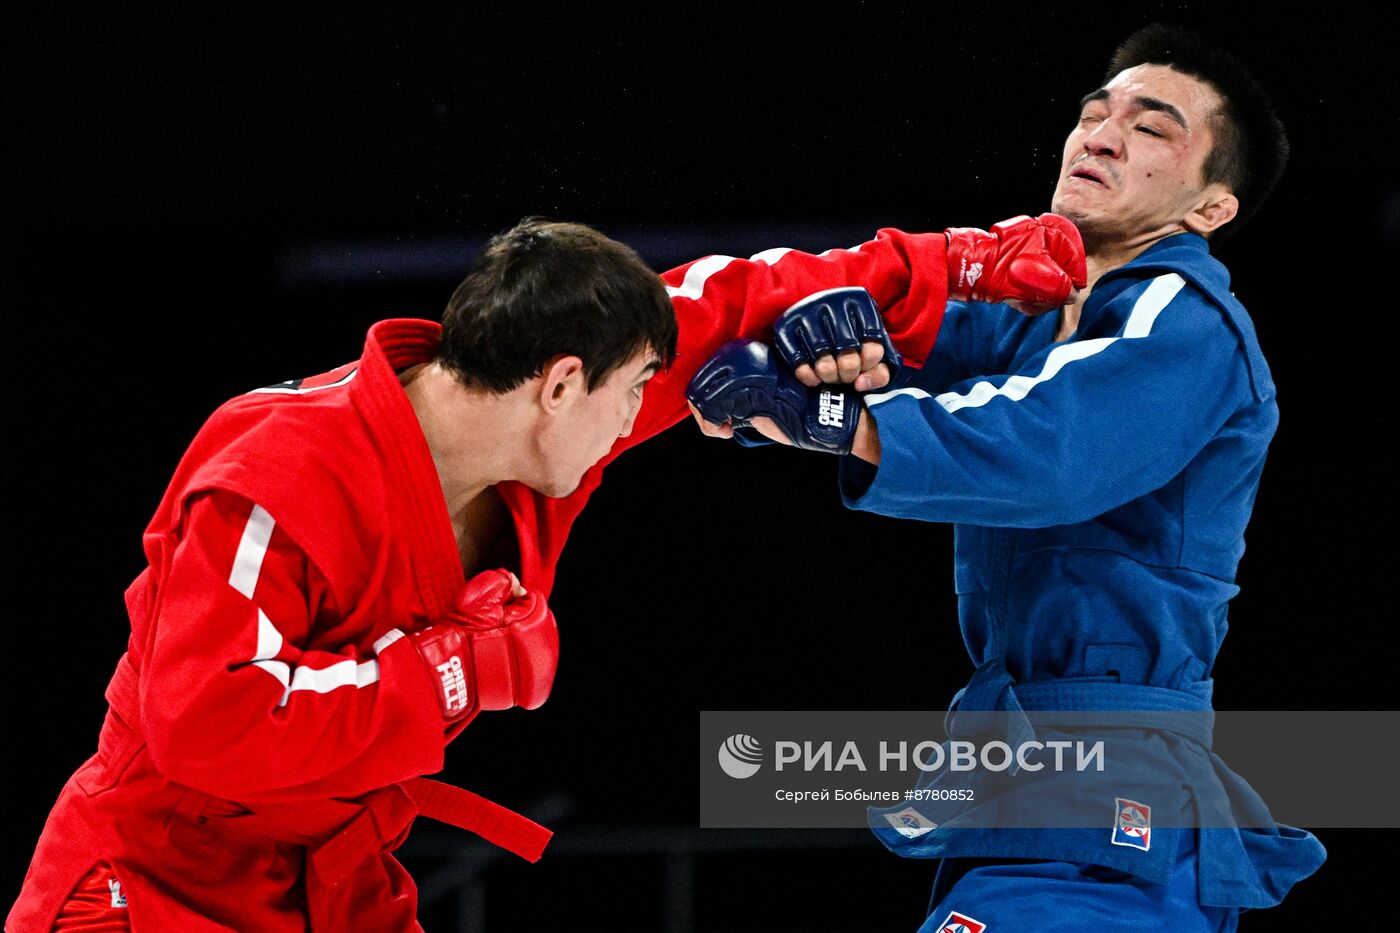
[(771, 256), (252, 547), (345, 673), (1150, 304), (269, 639), (693, 285), (247, 567), (1144, 314), (281, 672), (387, 639)]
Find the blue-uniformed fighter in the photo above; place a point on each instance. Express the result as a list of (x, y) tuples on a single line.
[(1100, 466)]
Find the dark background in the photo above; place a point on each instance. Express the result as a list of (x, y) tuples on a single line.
[(197, 204)]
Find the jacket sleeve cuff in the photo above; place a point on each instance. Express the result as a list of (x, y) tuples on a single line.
[(856, 477)]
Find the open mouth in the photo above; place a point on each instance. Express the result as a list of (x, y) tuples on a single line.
[(1086, 175)]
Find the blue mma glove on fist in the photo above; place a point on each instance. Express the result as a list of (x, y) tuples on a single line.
[(835, 321), (746, 380)]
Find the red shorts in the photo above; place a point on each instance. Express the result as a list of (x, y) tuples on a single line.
[(97, 905)]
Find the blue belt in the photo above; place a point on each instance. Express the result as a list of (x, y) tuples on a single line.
[(1253, 866), (993, 702)]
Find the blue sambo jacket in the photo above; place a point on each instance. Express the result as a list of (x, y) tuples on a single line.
[(1100, 488)]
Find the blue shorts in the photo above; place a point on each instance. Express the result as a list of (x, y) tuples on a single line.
[(1004, 896)]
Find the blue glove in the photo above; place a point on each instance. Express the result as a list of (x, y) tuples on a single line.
[(834, 321), (746, 380)]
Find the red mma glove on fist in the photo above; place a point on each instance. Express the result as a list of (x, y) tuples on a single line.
[(494, 650), (1034, 263)]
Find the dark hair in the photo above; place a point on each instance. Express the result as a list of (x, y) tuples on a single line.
[(1251, 147), (545, 288)]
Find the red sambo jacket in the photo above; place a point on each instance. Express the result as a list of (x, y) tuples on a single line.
[(261, 755)]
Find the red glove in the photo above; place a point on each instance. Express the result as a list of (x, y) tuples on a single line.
[(1034, 262), (494, 650)]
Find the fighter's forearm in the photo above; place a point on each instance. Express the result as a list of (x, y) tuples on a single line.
[(866, 444)]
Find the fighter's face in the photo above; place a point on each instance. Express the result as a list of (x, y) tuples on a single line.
[(1133, 165), (583, 434)]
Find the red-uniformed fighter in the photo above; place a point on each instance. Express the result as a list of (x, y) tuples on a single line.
[(319, 615)]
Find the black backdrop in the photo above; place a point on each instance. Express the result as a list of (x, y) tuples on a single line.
[(167, 175)]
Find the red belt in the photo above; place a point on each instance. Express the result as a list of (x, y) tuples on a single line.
[(383, 824)]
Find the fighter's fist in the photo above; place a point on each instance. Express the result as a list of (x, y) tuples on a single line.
[(745, 380), (1031, 263), (836, 336), (497, 648)]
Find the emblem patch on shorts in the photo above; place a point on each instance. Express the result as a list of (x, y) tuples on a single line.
[(957, 923), (114, 887), (910, 823), (1132, 824)]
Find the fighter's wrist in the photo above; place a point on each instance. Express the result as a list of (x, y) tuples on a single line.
[(866, 443), (446, 652)]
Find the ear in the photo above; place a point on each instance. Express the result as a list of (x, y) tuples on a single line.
[(561, 383), (1216, 207)]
